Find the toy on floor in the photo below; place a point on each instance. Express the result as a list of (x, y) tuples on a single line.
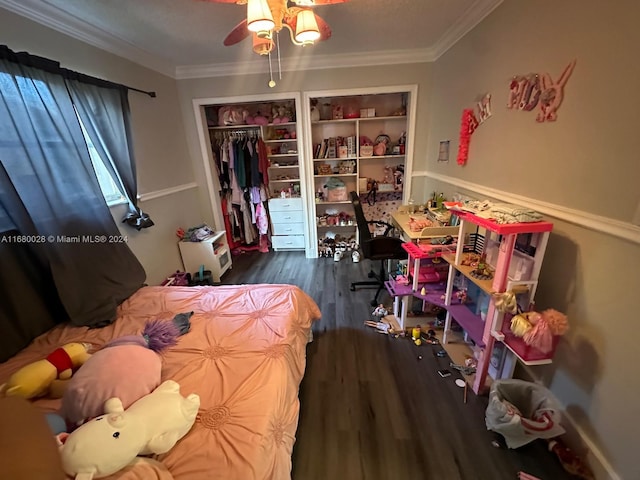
[(570, 461), (128, 367), (108, 443), (380, 327), (380, 311), (35, 379)]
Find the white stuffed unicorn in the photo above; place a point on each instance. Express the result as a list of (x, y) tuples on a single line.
[(108, 443)]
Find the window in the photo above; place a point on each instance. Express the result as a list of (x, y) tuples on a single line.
[(110, 191)]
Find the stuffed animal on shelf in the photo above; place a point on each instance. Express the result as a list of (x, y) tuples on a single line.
[(35, 379), (128, 367), (108, 443)]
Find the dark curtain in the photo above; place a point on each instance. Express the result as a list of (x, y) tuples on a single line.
[(106, 117), (29, 302), (50, 194)]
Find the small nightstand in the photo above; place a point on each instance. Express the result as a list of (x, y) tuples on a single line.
[(212, 252)]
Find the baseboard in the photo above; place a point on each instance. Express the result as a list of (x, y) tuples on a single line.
[(602, 468)]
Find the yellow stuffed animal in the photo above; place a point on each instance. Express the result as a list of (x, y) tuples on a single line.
[(34, 380)]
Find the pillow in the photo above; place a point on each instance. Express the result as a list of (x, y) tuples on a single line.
[(128, 372)]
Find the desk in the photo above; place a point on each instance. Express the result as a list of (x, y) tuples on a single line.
[(401, 221)]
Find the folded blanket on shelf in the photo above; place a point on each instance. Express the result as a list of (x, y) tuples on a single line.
[(507, 213)]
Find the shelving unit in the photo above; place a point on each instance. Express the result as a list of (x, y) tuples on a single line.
[(484, 333), (334, 144), (490, 332)]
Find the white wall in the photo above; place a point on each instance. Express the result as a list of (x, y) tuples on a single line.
[(587, 161), (158, 133)]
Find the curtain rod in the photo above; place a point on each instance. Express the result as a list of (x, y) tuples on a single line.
[(52, 66)]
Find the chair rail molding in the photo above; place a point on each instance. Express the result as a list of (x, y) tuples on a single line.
[(617, 228), (145, 197)]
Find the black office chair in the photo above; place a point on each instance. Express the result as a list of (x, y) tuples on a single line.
[(381, 247)]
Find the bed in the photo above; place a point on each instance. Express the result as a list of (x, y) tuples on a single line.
[(244, 356)]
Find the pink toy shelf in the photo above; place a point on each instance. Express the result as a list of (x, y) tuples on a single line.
[(526, 353), (509, 266), (425, 260)]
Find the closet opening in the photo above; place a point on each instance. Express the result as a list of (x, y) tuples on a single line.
[(254, 167)]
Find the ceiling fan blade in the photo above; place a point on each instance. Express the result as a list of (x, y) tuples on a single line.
[(325, 29), (239, 33)]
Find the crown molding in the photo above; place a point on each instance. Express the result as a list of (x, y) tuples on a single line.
[(472, 17), (308, 62), (42, 12)]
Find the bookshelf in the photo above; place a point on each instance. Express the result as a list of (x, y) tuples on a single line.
[(343, 129)]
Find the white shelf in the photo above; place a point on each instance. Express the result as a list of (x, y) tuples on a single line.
[(360, 119), (285, 181), (337, 175), (284, 140), (374, 157)]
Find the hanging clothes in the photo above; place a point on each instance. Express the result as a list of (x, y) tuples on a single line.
[(242, 164), (263, 161), (256, 177), (239, 163)]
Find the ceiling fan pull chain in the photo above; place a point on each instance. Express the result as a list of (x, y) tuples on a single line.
[(271, 82), (279, 64)]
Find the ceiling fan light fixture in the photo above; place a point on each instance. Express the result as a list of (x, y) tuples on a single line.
[(307, 31), (259, 18), (262, 45)]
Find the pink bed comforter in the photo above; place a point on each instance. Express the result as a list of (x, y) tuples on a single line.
[(244, 356)]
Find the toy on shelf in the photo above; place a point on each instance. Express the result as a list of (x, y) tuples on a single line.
[(35, 379), (152, 425), (482, 271), (539, 329)]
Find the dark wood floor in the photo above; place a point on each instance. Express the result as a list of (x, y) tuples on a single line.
[(370, 409)]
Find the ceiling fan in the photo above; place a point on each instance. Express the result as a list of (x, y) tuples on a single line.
[(266, 17)]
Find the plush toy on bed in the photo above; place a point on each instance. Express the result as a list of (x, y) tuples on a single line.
[(35, 379), (128, 367), (108, 443)]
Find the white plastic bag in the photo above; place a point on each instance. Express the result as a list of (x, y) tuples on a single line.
[(522, 412)]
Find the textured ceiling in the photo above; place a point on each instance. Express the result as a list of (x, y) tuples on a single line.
[(166, 34)]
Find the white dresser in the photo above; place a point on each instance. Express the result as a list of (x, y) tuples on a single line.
[(287, 221)]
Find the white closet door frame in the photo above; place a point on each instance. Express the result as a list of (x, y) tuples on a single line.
[(213, 185)]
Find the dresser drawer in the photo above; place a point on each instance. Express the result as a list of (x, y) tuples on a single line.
[(288, 228), (285, 204), (287, 217), (287, 241)]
